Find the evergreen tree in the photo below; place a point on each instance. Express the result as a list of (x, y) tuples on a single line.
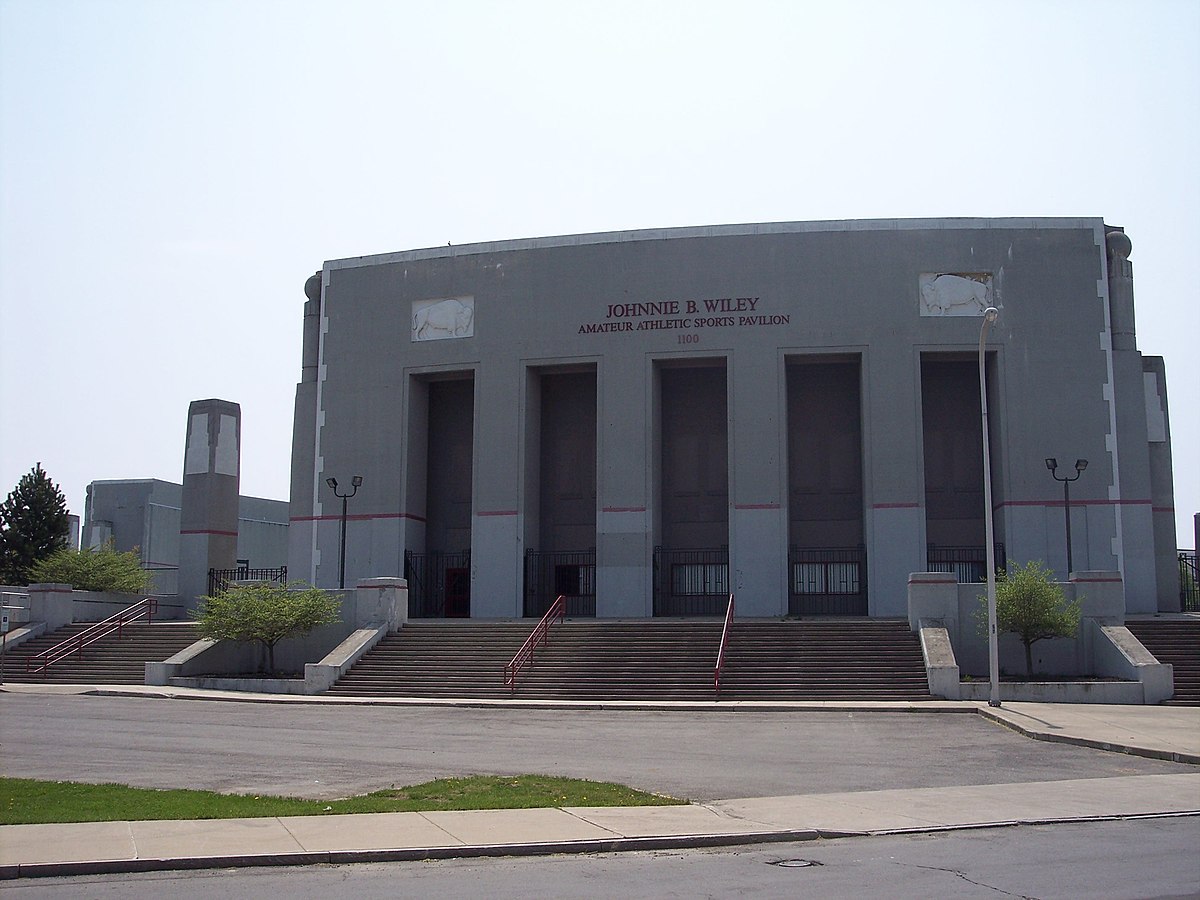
[(34, 523)]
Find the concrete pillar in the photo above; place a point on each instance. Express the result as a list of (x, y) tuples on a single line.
[(497, 548), (933, 595), (895, 478), (624, 491), (52, 604), (758, 519), (380, 601), (303, 507), (208, 518)]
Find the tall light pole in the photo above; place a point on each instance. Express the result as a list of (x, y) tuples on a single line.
[(989, 316), (1080, 465), (355, 482)]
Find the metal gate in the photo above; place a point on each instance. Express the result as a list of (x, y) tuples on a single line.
[(827, 581), (570, 574), (439, 584), (691, 582)]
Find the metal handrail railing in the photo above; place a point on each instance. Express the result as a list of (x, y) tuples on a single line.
[(540, 635), (147, 607), (724, 644)]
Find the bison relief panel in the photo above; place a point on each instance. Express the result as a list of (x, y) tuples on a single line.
[(442, 319), (955, 294)]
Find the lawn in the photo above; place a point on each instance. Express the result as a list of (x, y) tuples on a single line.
[(25, 801)]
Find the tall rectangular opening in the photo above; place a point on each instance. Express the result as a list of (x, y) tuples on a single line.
[(952, 433), (691, 563), (439, 575), (827, 560), (562, 557)]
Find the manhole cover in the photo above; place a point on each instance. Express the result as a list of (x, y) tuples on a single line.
[(796, 863)]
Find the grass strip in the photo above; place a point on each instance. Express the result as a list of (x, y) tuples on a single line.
[(25, 801)]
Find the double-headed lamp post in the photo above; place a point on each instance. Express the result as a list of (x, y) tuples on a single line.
[(989, 316), (355, 482), (1080, 465)]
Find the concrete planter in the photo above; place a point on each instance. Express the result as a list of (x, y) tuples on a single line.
[(251, 684), (1057, 691)]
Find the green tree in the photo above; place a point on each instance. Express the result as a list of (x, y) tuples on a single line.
[(1031, 605), (266, 613), (95, 569), (33, 524)]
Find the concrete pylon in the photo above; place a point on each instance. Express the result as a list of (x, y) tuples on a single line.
[(208, 517)]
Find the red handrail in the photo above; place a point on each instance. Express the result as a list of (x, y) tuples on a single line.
[(724, 643), (540, 635), (147, 607)]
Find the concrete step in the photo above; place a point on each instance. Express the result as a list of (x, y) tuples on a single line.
[(1174, 641), (592, 659), (111, 660)]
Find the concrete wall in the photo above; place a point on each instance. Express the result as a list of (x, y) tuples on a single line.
[(57, 605), (749, 298)]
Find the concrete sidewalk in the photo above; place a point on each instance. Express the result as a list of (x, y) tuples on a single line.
[(1158, 732), (110, 847)]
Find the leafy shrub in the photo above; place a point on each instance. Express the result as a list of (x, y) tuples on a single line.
[(95, 569)]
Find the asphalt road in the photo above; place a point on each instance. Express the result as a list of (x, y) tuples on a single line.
[(1138, 858), (327, 750)]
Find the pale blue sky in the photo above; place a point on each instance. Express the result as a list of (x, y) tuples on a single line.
[(172, 171)]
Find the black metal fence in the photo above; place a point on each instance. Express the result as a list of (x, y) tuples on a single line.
[(1189, 584), (439, 584), (219, 579), (827, 581), (569, 573), (691, 582), (968, 563)]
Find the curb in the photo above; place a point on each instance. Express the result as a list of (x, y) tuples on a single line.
[(1177, 756), (548, 848), (904, 706), (457, 851)]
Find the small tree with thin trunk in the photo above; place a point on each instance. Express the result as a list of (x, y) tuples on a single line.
[(265, 613), (1031, 605), (34, 522)]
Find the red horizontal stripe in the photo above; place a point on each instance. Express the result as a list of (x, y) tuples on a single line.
[(497, 512), (357, 517), (622, 509), (894, 505), (207, 531)]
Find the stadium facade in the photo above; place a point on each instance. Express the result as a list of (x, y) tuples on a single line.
[(647, 421)]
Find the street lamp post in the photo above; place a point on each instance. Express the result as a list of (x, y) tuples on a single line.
[(1080, 465), (355, 482), (989, 316)]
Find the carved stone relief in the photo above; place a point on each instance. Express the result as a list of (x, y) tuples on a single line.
[(442, 319), (955, 294)]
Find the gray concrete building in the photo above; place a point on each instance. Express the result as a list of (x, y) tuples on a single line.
[(182, 531), (646, 421), (144, 514)]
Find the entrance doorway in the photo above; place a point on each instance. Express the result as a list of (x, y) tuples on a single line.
[(827, 559)]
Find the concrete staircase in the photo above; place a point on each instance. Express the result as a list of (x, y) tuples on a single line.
[(654, 659), (111, 660), (1174, 641)]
